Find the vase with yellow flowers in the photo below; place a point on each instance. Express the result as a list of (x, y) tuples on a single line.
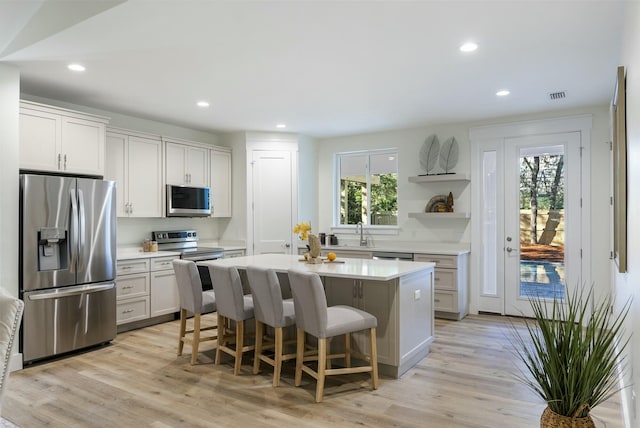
[(303, 229)]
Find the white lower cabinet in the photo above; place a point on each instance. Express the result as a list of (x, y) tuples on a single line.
[(132, 290), (164, 288), (145, 288), (229, 254), (451, 284)]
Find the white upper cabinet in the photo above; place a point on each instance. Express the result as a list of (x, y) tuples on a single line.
[(60, 140), (187, 164), (221, 182), (134, 161)]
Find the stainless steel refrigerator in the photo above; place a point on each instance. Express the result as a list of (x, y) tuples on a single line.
[(67, 263)]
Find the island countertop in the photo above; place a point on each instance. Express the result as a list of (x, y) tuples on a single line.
[(380, 270)]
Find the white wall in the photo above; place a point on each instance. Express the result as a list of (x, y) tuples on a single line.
[(9, 109), (628, 285), (308, 183)]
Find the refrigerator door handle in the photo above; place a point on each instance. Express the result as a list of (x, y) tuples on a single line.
[(74, 230), (71, 291), (82, 218)]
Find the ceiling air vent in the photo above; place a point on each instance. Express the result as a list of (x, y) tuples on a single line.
[(557, 95)]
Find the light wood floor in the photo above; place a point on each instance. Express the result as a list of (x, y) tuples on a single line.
[(466, 381)]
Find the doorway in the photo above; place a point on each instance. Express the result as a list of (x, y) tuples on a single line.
[(527, 239), (272, 188)]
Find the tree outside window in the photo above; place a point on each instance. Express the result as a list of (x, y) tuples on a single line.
[(368, 188)]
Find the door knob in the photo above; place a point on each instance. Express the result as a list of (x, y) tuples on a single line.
[(509, 249), (508, 239), (287, 245)]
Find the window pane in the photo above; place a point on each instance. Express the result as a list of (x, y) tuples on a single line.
[(384, 189), (353, 189)]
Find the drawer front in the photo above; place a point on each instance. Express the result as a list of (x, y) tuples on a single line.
[(130, 310), (446, 302), (441, 261), (125, 267), (446, 279), (162, 263), (134, 285)]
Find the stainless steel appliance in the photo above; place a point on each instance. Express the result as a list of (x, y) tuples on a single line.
[(378, 255), (185, 201), (67, 263), (186, 242)]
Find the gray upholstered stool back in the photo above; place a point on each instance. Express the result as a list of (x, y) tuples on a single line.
[(189, 285), (267, 296), (229, 295), (310, 302)]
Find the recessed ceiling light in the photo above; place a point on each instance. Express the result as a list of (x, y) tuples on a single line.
[(76, 67), (281, 126), (468, 47), (202, 104), (503, 93)]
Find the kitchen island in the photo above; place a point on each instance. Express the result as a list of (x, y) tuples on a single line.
[(398, 293)]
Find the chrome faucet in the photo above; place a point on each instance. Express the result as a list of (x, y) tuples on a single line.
[(363, 240)]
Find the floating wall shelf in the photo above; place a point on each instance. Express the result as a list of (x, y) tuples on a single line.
[(441, 215), (439, 178)]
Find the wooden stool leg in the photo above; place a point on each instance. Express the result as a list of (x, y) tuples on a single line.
[(277, 357), (322, 364), (374, 359), (347, 350), (183, 329), (222, 331), (258, 350), (299, 356), (195, 344), (239, 345)]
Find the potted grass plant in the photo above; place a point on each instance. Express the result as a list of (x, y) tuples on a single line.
[(573, 354)]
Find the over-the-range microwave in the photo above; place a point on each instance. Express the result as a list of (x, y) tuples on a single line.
[(186, 201)]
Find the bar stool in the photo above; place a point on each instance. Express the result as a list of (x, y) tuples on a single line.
[(315, 318), (192, 300), (232, 306), (270, 310)]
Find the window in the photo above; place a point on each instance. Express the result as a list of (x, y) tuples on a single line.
[(367, 187)]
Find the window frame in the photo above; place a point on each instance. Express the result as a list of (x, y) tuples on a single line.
[(383, 229)]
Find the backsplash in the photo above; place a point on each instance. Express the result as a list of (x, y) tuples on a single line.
[(132, 231)]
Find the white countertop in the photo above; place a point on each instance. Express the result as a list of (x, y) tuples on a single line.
[(444, 248), (380, 270), (128, 253)]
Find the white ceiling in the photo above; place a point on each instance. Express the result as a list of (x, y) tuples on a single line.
[(324, 68)]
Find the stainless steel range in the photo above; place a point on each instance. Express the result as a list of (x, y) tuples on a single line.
[(186, 242)]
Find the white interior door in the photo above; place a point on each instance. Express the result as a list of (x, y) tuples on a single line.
[(542, 219), (273, 209)]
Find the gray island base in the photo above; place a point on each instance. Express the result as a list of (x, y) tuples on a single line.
[(399, 294)]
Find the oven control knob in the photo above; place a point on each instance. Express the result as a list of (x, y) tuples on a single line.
[(194, 234), (189, 234)]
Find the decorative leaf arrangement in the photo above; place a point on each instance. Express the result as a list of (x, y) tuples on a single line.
[(449, 155), (431, 151)]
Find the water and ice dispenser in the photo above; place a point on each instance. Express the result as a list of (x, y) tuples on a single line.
[(53, 249)]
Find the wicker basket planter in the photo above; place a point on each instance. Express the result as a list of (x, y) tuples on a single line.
[(551, 419)]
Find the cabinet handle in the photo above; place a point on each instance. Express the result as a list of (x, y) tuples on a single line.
[(361, 290), (128, 311), (127, 267), (355, 288), (59, 160), (130, 208), (65, 162), (126, 287), (436, 300), (436, 278)]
